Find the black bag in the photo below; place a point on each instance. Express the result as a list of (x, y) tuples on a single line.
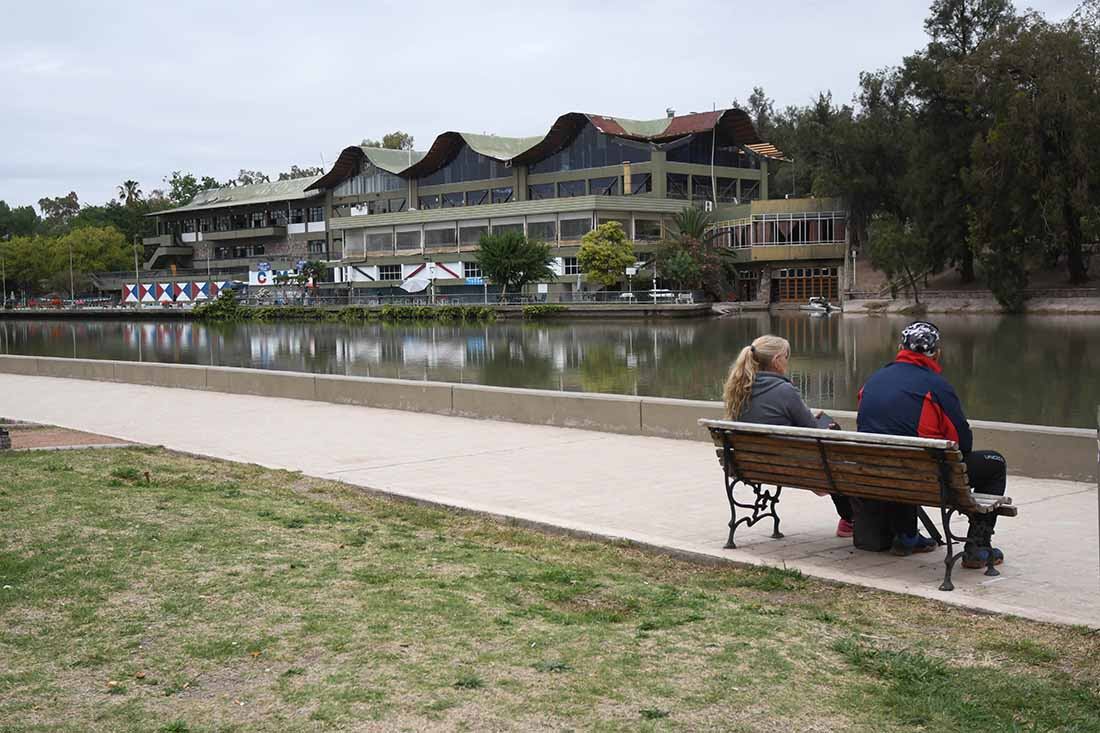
[(871, 524)]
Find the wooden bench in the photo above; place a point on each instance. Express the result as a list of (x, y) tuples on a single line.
[(919, 471)]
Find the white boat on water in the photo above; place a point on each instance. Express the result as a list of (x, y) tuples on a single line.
[(820, 305)]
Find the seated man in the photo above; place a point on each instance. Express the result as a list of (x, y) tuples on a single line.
[(909, 397)]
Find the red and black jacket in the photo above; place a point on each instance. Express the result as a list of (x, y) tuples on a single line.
[(909, 397)]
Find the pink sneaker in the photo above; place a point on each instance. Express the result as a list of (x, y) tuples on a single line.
[(844, 528)]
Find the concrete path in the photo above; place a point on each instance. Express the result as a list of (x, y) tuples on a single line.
[(653, 490)]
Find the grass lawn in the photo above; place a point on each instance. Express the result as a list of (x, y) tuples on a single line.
[(212, 596)]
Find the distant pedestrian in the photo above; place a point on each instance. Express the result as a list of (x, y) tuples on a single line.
[(758, 391), (910, 397)]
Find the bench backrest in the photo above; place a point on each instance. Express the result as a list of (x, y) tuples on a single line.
[(864, 465)]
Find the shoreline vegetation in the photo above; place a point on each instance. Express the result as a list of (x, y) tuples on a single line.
[(148, 590)]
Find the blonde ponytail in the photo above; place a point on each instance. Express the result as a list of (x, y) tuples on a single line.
[(755, 358)]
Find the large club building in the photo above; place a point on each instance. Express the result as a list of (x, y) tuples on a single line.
[(380, 216)]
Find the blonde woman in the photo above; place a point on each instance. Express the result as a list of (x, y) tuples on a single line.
[(758, 391)]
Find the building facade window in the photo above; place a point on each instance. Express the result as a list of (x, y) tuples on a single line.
[(676, 184), (278, 217), (408, 240), (592, 149), (205, 224), (467, 165), (221, 223), (394, 206), (317, 213), (538, 191), (316, 247), (471, 234), (429, 202), (543, 231), (701, 189), (369, 179), (389, 272), (297, 216), (187, 226), (641, 183), (572, 230), (647, 230), (604, 186), (569, 189), (511, 227), (380, 242), (502, 195), (727, 190), (259, 220), (750, 190), (471, 269), (238, 221), (478, 197), (697, 149), (570, 266), (454, 200), (439, 237)]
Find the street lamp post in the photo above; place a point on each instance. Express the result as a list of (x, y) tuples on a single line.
[(72, 288), (137, 278)]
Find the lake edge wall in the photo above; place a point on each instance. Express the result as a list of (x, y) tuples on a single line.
[(1032, 450)]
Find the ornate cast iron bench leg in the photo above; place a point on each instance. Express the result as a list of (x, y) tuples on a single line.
[(762, 507), (952, 556)]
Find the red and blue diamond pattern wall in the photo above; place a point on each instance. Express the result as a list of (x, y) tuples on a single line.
[(172, 292)]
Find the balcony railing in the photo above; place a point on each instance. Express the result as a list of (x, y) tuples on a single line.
[(768, 230)]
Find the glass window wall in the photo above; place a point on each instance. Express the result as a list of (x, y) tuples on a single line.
[(429, 202), (471, 269), (604, 186), (408, 240), (572, 230), (538, 191), (454, 200), (647, 230), (389, 272), (439, 237), (543, 231), (592, 149), (467, 166), (502, 195), (569, 189), (677, 185), (471, 234), (380, 242), (477, 197)]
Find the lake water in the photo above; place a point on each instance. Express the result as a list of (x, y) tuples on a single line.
[(1031, 369)]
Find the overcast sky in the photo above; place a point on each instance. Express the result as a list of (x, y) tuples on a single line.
[(95, 93)]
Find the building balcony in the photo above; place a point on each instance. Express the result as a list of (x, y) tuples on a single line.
[(164, 252), (251, 233), (790, 252)]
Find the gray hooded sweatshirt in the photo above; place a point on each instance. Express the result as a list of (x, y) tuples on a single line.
[(775, 401)]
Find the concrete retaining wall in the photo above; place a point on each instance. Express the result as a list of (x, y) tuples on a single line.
[(1037, 451)]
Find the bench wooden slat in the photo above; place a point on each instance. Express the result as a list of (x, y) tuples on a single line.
[(764, 443), (840, 474), (874, 465), (848, 487)]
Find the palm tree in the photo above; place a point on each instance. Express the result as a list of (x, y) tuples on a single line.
[(129, 192), (691, 222)]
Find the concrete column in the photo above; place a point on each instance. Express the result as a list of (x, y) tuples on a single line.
[(764, 291), (519, 183), (658, 168)]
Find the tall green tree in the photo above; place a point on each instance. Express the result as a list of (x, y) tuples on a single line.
[(511, 260), (59, 211), (899, 250), (248, 178), (182, 187), (303, 172), (948, 118), (22, 221), (605, 253), (129, 192), (1041, 82), (396, 140)]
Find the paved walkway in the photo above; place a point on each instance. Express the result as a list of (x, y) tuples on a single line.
[(654, 490)]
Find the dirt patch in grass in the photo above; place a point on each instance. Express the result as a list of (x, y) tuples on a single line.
[(221, 596)]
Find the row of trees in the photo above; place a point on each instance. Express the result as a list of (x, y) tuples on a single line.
[(974, 153)]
